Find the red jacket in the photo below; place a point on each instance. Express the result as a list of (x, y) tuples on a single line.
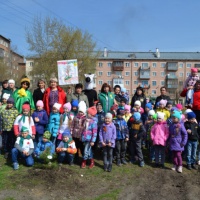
[(196, 102), (62, 99)]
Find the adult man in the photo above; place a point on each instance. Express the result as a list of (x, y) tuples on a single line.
[(163, 95)]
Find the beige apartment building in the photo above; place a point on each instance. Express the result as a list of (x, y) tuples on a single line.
[(150, 70)]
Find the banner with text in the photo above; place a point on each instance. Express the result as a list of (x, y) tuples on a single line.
[(67, 72)]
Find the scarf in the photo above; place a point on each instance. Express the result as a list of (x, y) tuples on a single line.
[(66, 143), (21, 141), (23, 118)]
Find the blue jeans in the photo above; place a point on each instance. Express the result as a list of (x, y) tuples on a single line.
[(107, 155), (191, 152), (65, 156), (29, 159), (87, 154)]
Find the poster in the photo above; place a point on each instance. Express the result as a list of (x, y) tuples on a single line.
[(67, 72)]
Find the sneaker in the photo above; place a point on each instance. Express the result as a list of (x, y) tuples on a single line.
[(105, 167), (180, 169), (119, 164), (174, 167), (194, 166), (198, 162), (15, 166), (109, 168), (132, 161), (124, 162), (189, 167), (71, 163), (142, 164)]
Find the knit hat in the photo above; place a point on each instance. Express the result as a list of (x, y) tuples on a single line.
[(57, 106), (67, 134), (191, 115), (108, 115), (157, 104), (53, 79), (5, 96), (127, 107), (155, 116), (138, 103), (151, 113), (179, 106), (47, 135), (26, 106), (187, 111), (92, 110), (176, 114), (194, 70), (40, 103), (11, 81), (163, 102), (82, 107), (149, 106), (26, 79), (160, 115), (68, 106), (74, 103), (10, 100), (123, 90), (174, 109), (24, 129), (120, 111), (136, 116)]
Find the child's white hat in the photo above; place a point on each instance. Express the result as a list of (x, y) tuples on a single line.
[(57, 106), (138, 103), (82, 107), (109, 115), (6, 96), (151, 113), (160, 115), (187, 111)]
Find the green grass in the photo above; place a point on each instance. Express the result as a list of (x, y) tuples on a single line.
[(109, 196)]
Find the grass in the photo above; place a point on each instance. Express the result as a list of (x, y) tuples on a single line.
[(109, 196)]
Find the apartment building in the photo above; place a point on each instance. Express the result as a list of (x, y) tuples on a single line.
[(150, 70), (14, 61)]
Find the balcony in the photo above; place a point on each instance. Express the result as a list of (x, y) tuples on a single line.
[(118, 65), (172, 76), (172, 66), (144, 73), (171, 86)]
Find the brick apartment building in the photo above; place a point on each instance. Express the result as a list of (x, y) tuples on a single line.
[(14, 61), (150, 70)]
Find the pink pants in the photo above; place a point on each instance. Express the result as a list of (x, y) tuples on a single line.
[(177, 158)]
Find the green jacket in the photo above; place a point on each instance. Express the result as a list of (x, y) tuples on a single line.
[(80, 97), (106, 100)]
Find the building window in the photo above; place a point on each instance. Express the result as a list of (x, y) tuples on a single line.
[(162, 74), (100, 82), (135, 82), (100, 64), (144, 65), (109, 82), (136, 64), (31, 64), (154, 74), (127, 64), (144, 83), (109, 64), (118, 73), (180, 65), (162, 83), (154, 65), (163, 65), (127, 73), (181, 74), (188, 73), (127, 82), (153, 92), (153, 83), (118, 81), (135, 73), (188, 65), (100, 73), (108, 73), (180, 83)]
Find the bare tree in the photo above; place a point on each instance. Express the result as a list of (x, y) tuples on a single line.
[(4, 70)]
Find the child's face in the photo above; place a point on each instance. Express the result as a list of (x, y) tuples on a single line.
[(175, 120), (122, 93), (80, 113), (54, 110), (108, 120), (161, 106), (150, 117), (89, 115), (9, 105), (44, 139), (4, 101), (191, 120), (24, 134), (39, 108), (99, 108), (120, 116), (122, 103), (159, 119), (25, 111), (66, 110), (74, 108), (194, 73), (147, 109), (126, 111), (169, 107), (65, 139), (137, 106)]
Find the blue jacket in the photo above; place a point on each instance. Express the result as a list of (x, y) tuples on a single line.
[(54, 123), (121, 129), (43, 146), (101, 117), (43, 117)]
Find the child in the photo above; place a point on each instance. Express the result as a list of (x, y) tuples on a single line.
[(65, 121), (24, 147), (137, 107), (40, 119), (4, 102), (25, 120), (127, 114), (148, 107), (189, 85), (162, 108), (66, 149), (159, 136), (125, 95), (8, 117), (136, 131), (54, 122), (107, 136), (122, 103), (169, 106), (177, 140), (74, 109), (122, 137), (77, 127), (89, 136), (193, 131), (43, 145)]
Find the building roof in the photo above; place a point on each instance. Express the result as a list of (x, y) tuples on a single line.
[(8, 40), (150, 55)]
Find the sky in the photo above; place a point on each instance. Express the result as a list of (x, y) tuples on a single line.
[(118, 25)]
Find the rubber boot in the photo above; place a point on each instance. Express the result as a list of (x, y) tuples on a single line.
[(83, 164), (91, 163)]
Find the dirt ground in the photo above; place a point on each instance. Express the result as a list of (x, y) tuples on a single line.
[(126, 182)]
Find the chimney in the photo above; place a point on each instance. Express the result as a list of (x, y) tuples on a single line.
[(157, 53), (105, 53)]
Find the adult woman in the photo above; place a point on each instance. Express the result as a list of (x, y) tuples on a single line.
[(54, 94), (23, 95), (106, 98), (38, 93), (139, 95), (196, 102)]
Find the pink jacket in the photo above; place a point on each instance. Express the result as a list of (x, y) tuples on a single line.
[(159, 133)]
